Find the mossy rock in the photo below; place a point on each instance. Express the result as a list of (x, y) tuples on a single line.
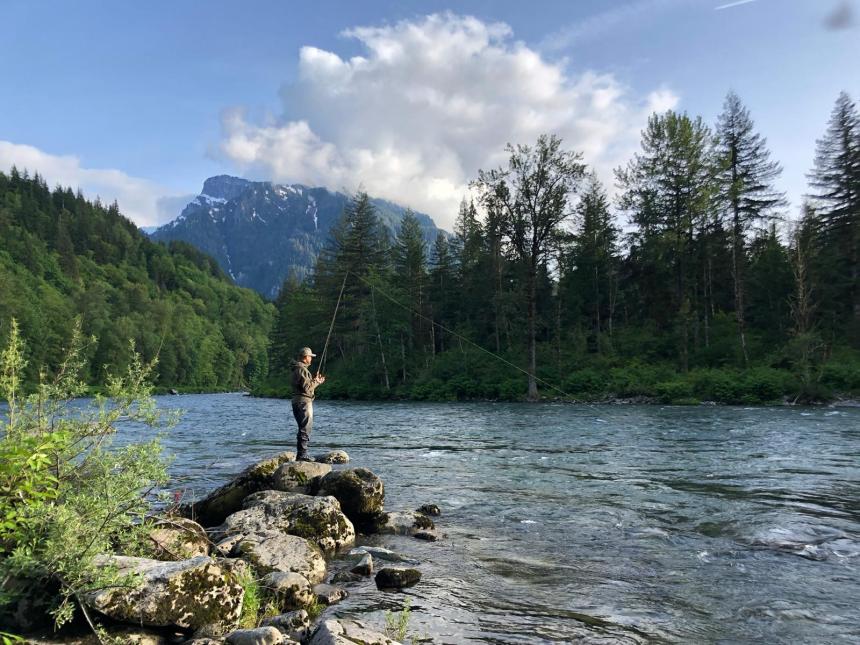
[(360, 492), (187, 594), (226, 500)]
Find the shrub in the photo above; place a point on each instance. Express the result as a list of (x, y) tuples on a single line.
[(67, 494), (678, 392)]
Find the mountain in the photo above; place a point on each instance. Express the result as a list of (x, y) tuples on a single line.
[(261, 233)]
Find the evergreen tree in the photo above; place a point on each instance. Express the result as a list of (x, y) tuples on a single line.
[(836, 202), (745, 191), (410, 265), (667, 190), (532, 194), (442, 289), (593, 260)]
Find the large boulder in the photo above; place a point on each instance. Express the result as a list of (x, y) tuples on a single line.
[(403, 523), (318, 519), (178, 538), (360, 492), (299, 476), (348, 632), (217, 505), (271, 551), (188, 593)]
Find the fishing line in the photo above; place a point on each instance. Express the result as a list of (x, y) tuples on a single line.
[(460, 336)]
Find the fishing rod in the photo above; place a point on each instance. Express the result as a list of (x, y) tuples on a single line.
[(331, 326)]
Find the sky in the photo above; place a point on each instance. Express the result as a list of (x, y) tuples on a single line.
[(142, 101)]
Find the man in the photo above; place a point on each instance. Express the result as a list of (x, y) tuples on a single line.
[(304, 386)]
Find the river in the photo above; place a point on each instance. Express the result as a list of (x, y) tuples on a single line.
[(591, 524)]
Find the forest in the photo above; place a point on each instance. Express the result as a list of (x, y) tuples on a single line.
[(64, 258), (691, 285)]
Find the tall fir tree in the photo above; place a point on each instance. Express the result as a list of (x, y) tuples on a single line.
[(533, 195), (835, 180), (745, 192)]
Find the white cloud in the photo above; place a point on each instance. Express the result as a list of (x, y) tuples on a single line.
[(429, 103), (141, 200)]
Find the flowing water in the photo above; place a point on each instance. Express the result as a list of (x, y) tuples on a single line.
[(592, 524)]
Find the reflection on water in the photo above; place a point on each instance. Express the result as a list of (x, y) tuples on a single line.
[(588, 524)]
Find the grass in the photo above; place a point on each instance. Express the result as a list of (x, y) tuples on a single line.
[(396, 625)]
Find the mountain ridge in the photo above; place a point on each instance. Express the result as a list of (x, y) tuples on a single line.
[(261, 233)]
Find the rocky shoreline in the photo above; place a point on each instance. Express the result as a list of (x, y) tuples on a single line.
[(272, 532)]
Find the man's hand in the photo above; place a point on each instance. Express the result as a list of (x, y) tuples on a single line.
[(319, 378)]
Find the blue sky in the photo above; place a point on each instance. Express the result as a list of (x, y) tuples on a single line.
[(142, 101)]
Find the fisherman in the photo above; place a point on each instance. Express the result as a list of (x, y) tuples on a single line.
[(304, 386)]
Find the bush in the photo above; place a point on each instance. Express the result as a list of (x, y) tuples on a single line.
[(677, 392), (588, 381), (67, 494)]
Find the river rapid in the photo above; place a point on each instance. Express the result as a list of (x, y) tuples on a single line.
[(587, 524)]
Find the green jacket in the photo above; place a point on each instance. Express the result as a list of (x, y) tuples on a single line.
[(302, 381)]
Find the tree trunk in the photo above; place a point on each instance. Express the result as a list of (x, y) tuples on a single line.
[(532, 350), (379, 340)]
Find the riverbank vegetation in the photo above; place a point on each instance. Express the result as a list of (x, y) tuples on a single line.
[(693, 286), (67, 494), (62, 256)]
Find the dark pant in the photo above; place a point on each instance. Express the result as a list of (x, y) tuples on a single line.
[(303, 411)]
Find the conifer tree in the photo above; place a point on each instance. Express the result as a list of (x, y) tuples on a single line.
[(667, 189), (745, 191), (836, 203), (532, 193)]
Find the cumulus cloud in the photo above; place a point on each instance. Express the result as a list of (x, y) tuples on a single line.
[(141, 200), (428, 103)]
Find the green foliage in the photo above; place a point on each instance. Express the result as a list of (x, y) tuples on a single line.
[(397, 625), (252, 600), (67, 494), (315, 609), (708, 301), (62, 257)]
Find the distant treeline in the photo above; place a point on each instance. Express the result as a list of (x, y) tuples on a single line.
[(63, 257), (706, 294)]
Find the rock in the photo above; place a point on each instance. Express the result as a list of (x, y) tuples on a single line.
[(178, 538), (318, 519), (360, 492), (292, 590), (270, 551), (329, 594), (379, 553), (429, 536), (364, 566), (204, 641), (217, 505), (333, 457), (188, 593), (429, 509), (294, 625), (403, 523), (258, 636), (227, 545), (348, 632), (299, 476), (346, 577), (397, 577)]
